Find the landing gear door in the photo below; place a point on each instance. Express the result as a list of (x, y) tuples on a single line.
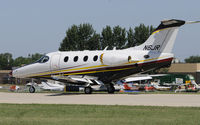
[(55, 62)]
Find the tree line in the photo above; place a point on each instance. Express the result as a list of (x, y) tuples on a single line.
[(7, 62), (193, 59), (84, 37)]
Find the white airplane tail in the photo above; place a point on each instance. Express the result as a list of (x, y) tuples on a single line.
[(162, 39)]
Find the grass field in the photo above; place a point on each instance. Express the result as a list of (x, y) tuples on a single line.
[(38, 114)]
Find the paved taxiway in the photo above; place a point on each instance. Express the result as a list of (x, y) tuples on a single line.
[(102, 99)]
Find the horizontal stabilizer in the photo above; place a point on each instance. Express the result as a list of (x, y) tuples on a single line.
[(191, 22)]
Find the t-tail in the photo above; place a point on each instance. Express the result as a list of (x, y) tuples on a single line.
[(164, 36)]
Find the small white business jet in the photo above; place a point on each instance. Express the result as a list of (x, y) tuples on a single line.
[(106, 66)]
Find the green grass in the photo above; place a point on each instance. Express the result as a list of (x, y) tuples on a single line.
[(42, 114)]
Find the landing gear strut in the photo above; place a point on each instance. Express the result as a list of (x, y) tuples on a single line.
[(110, 89), (88, 90)]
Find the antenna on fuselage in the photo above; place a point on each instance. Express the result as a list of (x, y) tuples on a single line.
[(105, 48)]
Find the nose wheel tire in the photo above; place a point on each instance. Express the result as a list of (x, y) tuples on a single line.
[(88, 90), (32, 89), (110, 89)]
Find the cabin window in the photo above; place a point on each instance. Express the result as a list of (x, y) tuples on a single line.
[(85, 58), (75, 58), (146, 56), (95, 58), (66, 59)]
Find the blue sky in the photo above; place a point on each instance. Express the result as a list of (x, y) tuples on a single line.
[(30, 26)]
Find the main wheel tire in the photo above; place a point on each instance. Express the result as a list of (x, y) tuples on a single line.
[(110, 89), (32, 89), (88, 90)]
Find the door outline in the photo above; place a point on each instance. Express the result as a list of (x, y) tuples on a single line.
[(55, 62)]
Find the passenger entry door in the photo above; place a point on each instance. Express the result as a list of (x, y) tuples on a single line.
[(55, 62)]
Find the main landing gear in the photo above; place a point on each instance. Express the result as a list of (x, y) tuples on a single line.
[(88, 90), (111, 89)]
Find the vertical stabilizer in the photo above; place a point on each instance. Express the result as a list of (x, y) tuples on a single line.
[(162, 39)]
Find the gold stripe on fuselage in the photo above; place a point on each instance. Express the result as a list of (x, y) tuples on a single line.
[(89, 72)]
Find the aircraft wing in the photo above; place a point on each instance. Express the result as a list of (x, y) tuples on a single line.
[(51, 86), (77, 79)]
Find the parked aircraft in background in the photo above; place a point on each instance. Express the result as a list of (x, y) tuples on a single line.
[(143, 82), (106, 66)]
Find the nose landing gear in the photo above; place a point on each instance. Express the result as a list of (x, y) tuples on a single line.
[(32, 89)]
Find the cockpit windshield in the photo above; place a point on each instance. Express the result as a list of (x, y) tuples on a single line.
[(43, 59)]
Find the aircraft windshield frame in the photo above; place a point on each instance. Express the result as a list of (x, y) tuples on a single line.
[(43, 59)]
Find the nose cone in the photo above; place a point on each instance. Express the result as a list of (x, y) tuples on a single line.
[(24, 71), (17, 73)]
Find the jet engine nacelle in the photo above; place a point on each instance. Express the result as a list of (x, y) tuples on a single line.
[(114, 59)]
